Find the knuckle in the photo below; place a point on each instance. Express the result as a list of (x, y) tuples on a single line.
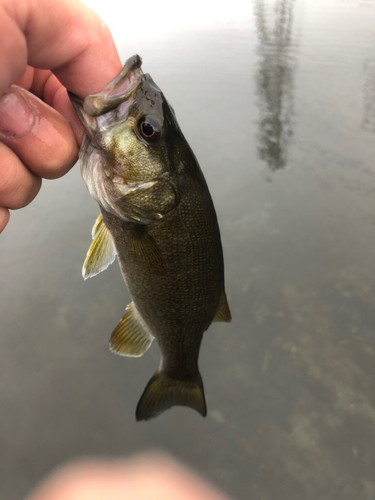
[(18, 186), (64, 159)]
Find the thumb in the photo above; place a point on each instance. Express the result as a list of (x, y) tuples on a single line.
[(41, 137)]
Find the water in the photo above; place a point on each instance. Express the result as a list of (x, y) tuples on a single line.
[(277, 99)]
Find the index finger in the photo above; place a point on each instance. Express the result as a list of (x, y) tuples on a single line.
[(64, 36)]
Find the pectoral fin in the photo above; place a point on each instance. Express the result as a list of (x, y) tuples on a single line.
[(145, 250), (223, 311), (131, 336), (102, 250)]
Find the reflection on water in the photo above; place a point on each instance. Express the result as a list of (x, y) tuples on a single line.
[(274, 79), (369, 96)]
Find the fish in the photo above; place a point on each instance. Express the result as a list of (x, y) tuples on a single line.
[(157, 217)]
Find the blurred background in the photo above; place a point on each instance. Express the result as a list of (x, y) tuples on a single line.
[(277, 99)]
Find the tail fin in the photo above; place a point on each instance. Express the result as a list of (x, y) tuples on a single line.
[(162, 392)]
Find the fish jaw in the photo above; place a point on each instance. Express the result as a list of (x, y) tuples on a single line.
[(95, 110), (117, 91)]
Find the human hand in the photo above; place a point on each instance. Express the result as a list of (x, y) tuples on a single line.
[(145, 477), (39, 131)]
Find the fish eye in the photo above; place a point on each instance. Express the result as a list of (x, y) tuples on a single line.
[(148, 129)]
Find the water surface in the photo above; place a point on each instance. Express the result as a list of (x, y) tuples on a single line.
[(277, 99)]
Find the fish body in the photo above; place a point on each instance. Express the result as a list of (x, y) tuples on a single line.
[(158, 217)]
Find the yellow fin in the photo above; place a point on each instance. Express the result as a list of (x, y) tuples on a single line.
[(223, 311), (102, 250), (131, 336), (162, 392)]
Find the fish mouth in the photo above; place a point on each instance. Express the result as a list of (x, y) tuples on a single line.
[(117, 91)]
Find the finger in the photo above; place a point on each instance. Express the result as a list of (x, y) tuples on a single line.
[(18, 185), (144, 478), (40, 78), (26, 80), (46, 86), (56, 96), (66, 37), (39, 135), (4, 218)]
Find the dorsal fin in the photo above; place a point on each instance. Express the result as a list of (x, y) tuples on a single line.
[(131, 336), (223, 311), (102, 251)]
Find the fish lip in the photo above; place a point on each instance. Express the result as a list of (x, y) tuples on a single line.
[(117, 91), (75, 100)]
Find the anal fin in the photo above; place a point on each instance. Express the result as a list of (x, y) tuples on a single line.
[(131, 336), (223, 311)]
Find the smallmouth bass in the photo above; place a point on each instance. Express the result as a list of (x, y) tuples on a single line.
[(158, 218)]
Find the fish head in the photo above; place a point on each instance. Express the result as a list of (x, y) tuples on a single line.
[(131, 138)]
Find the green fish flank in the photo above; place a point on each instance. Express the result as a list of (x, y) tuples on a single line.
[(158, 218)]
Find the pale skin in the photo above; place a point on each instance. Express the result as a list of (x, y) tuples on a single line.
[(146, 477), (46, 48)]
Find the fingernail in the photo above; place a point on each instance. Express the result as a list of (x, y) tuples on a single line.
[(16, 114)]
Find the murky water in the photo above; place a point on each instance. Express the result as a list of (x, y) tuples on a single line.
[(277, 99)]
